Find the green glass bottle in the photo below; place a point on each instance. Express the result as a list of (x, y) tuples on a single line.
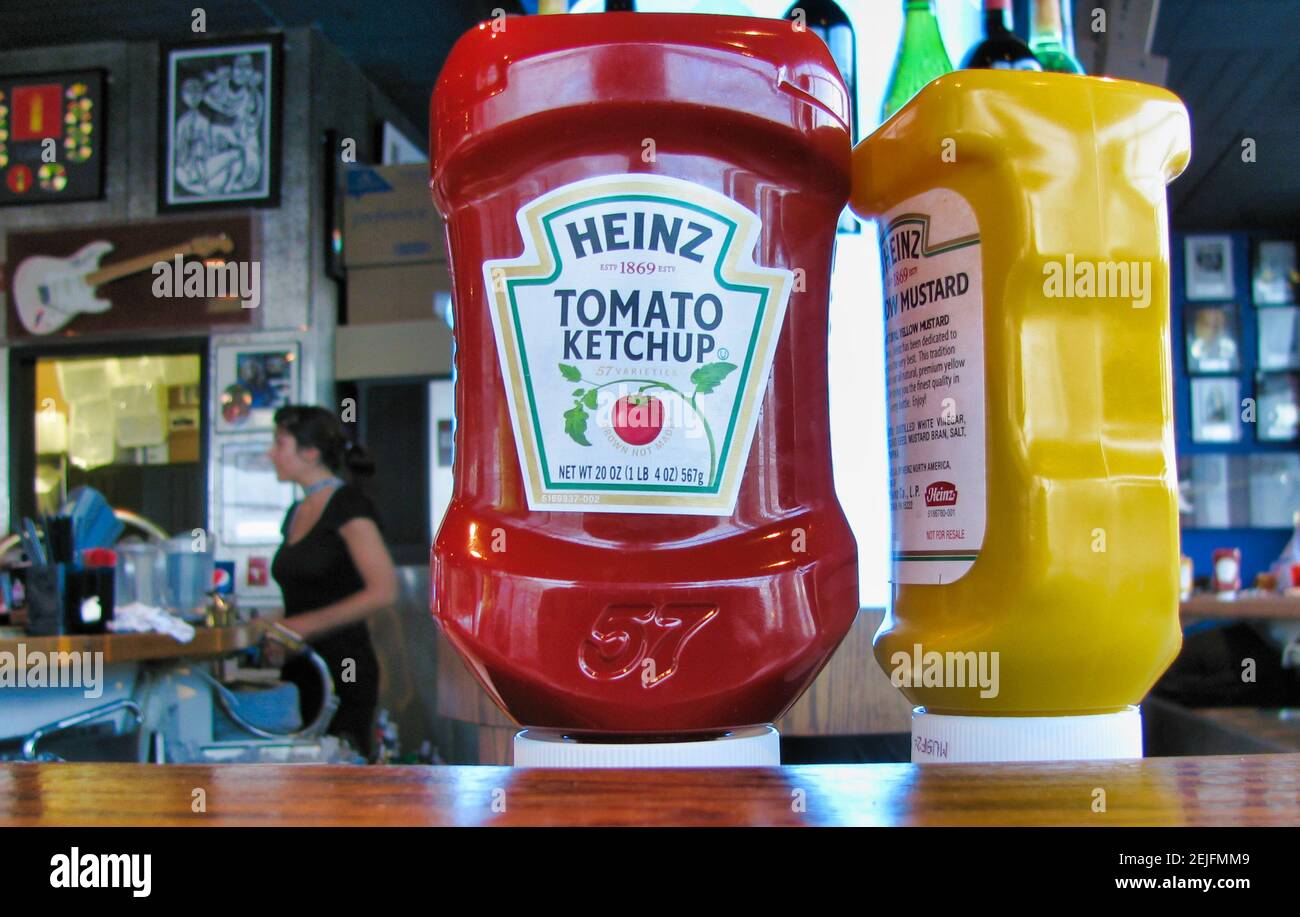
[(921, 55), (1047, 39)]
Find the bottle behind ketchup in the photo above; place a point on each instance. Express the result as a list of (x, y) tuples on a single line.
[(643, 537)]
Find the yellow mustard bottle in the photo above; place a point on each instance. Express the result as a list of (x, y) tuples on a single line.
[(1025, 246)]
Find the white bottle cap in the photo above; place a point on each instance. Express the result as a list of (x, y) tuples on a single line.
[(938, 738), (754, 746)]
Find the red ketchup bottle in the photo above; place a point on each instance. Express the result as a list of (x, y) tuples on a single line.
[(644, 537)]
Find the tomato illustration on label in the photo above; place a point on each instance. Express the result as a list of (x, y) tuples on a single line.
[(640, 294), (639, 419)]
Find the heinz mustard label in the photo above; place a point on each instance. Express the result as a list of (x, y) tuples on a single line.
[(934, 346), (635, 335)]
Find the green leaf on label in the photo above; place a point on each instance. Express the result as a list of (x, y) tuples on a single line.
[(570, 372), (589, 399), (578, 392), (707, 378), (575, 424)]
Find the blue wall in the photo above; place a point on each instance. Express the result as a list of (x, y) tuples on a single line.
[(1259, 547)]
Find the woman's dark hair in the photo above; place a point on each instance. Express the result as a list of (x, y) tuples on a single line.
[(313, 427)]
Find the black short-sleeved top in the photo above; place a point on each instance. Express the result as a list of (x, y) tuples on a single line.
[(318, 570), (313, 573)]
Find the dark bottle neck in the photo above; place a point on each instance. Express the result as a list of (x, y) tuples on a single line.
[(997, 23)]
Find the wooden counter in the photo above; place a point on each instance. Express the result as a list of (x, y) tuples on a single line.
[(1245, 607), (129, 647), (1229, 790)]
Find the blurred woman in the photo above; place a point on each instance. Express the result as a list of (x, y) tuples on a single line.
[(332, 568)]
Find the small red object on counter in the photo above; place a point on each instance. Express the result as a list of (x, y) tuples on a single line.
[(641, 210), (98, 557), (1226, 580)]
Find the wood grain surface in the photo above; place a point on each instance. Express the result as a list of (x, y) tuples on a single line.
[(1244, 607), (208, 641), (1227, 790)]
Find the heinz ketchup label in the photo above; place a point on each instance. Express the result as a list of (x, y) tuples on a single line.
[(635, 335)]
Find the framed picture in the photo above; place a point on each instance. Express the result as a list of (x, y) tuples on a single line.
[(1279, 338), (1277, 397), (219, 144), (1274, 489), (52, 138), (1208, 267), (396, 148), (99, 280), (253, 500), (1214, 490), (1216, 406), (1213, 339), (1275, 279), (253, 381)]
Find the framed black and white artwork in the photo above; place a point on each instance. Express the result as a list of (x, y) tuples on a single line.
[(1278, 395), (1208, 267), (1275, 278), (1213, 339), (219, 143), (1279, 338), (1216, 404), (1214, 490)]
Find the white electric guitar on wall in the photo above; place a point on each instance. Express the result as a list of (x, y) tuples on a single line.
[(49, 292)]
